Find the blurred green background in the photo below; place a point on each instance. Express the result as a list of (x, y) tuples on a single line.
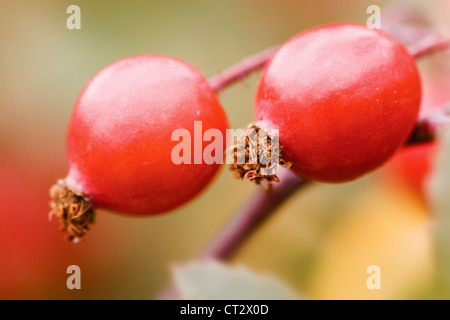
[(320, 242)]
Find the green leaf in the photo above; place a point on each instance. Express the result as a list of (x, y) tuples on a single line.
[(211, 280)]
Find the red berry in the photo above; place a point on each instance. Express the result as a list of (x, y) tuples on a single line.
[(412, 166), (343, 97), (119, 138)]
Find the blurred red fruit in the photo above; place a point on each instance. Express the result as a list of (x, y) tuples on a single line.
[(33, 257), (411, 167)]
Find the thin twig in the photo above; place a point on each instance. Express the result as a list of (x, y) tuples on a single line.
[(251, 214), (241, 69), (429, 45)]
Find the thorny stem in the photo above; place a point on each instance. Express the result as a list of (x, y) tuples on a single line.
[(261, 205)]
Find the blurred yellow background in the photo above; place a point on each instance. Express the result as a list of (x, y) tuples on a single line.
[(320, 242)]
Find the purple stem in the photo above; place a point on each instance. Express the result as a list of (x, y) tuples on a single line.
[(251, 214), (241, 69), (429, 45)]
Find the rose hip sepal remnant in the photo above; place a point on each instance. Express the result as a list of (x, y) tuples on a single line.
[(74, 212), (119, 141), (257, 156), (343, 97)]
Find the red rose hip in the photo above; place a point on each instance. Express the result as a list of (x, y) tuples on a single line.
[(343, 97), (119, 141)]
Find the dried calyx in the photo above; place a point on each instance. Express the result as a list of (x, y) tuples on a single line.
[(74, 211), (256, 156)]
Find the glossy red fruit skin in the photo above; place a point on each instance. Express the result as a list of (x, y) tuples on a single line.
[(119, 137), (343, 97)]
